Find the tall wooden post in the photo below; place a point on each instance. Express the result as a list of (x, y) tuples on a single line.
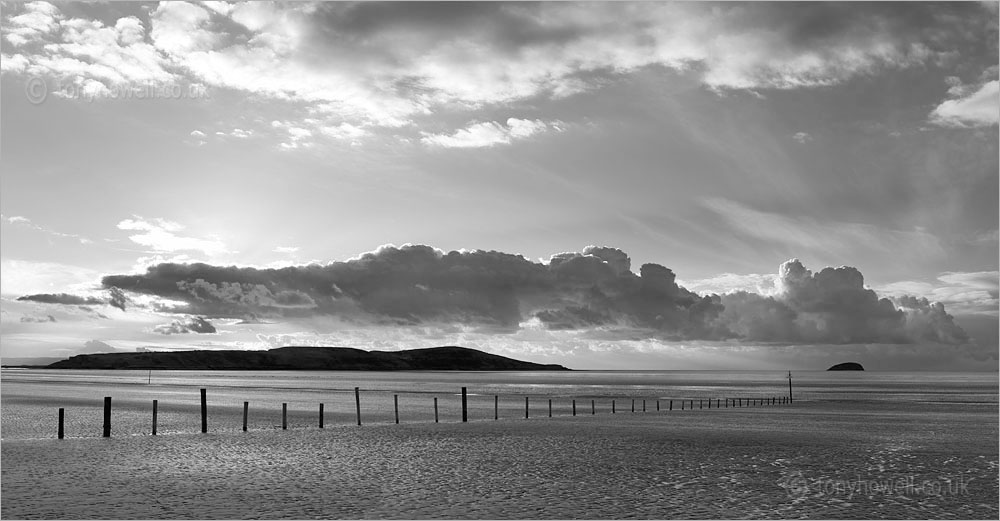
[(525, 407), (107, 416), (154, 417), (284, 416), (320, 416), (671, 406), (574, 407), (612, 406), (550, 408), (204, 412), (357, 403), (789, 387), (496, 406), (593, 407), (633, 404), (465, 406), (246, 411), (62, 412), (395, 406), (435, 409), (657, 405)]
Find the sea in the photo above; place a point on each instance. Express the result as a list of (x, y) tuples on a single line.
[(30, 398)]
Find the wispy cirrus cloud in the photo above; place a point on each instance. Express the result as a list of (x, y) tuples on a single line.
[(21, 221), (490, 133), (807, 233), (385, 64)]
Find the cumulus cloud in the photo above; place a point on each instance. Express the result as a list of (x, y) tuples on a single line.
[(979, 108), (189, 325), (834, 306), (962, 292), (592, 290)]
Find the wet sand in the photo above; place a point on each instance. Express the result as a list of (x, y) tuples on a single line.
[(808, 460)]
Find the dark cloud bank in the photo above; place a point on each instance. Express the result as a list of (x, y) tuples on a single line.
[(593, 289)]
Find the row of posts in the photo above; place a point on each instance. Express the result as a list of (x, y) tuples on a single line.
[(719, 404)]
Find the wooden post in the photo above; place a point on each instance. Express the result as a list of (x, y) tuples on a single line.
[(593, 407), (357, 403), (246, 410), (671, 405), (612, 406), (633, 404), (550, 408), (284, 416), (709, 403), (496, 407), (574, 407), (691, 405), (395, 406), (62, 411), (682, 405), (320, 416), (107, 416), (435, 409), (465, 406), (699, 404), (154, 417), (204, 412), (657, 405), (789, 387), (526, 407)]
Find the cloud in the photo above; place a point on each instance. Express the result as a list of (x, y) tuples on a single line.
[(20, 220), (833, 306), (285, 249), (159, 234), (46, 318), (118, 298), (805, 233), (593, 291), (980, 108), (802, 137), (962, 292), (487, 134), (62, 298), (190, 325), (387, 64)]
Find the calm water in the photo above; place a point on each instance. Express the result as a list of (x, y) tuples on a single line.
[(30, 398)]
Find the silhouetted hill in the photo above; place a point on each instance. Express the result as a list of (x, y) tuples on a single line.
[(450, 358), (847, 366)]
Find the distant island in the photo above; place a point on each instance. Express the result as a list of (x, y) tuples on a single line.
[(448, 358), (847, 366)]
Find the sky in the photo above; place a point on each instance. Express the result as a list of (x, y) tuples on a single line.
[(624, 185)]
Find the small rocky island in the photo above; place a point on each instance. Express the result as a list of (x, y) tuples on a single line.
[(847, 366), (448, 358)]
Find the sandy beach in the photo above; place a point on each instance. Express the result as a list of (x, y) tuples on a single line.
[(811, 460)]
